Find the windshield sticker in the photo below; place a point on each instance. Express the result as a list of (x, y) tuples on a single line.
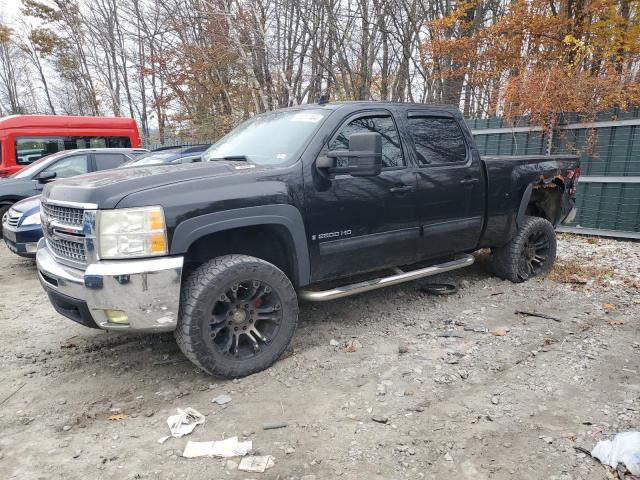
[(307, 117), (281, 156)]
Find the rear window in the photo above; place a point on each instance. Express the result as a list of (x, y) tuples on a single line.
[(438, 140), (152, 159), (30, 149)]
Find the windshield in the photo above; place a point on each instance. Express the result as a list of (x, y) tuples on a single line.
[(27, 172), (271, 139), (151, 159)]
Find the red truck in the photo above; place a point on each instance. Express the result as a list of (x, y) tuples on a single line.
[(27, 138)]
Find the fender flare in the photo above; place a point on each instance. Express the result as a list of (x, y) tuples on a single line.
[(285, 215), (526, 196)]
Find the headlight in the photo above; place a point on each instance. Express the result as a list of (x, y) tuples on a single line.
[(132, 232), (33, 219)]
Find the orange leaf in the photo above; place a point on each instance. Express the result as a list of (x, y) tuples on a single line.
[(118, 416)]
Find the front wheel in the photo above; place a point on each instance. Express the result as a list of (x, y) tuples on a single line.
[(3, 209), (237, 315), (530, 253)]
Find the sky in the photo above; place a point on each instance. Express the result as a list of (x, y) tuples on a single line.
[(9, 8)]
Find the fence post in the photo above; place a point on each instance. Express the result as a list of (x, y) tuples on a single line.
[(550, 135), (549, 149)]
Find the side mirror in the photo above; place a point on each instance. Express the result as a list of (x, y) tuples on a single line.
[(45, 177), (363, 159)]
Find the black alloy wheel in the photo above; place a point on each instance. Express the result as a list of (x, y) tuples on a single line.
[(534, 254), (530, 253), (237, 315), (245, 318)]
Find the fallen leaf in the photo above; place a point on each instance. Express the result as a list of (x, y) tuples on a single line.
[(615, 322), (118, 416), (608, 306), (499, 332), (577, 280), (349, 348)]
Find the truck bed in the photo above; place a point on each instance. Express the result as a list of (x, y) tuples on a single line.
[(506, 179)]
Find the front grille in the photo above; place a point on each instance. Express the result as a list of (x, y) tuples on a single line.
[(64, 215), (66, 249), (13, 218), (56, 220)]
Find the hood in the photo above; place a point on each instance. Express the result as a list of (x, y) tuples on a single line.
[(105, 189), (28, 205)]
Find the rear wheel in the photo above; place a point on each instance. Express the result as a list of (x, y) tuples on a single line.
[(530, 253), (237, 316)]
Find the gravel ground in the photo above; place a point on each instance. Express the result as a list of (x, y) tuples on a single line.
[(391, 384)]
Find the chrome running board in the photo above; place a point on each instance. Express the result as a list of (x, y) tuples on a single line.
[(400, 277)]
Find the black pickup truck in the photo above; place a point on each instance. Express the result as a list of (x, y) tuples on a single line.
[(291, 204)]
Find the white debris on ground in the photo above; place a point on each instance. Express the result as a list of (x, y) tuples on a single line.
[(227, 448), (389, 384), (184, 422)]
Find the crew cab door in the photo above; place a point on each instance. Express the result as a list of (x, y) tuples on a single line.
[(359, 224), (450, 183)]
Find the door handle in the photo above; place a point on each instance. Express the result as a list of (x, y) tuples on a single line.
[(469, 181), (401, 189)]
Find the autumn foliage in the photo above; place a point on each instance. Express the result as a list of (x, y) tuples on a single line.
[(196, 68), (539, 57)]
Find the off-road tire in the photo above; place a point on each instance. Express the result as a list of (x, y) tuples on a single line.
[(3, 209), (202, 291), (512, 261)]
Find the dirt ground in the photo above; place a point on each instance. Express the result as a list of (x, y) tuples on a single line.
[(458, 401)]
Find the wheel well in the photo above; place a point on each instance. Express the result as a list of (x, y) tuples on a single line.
[(271, 243), (9, 201), (545, 201)]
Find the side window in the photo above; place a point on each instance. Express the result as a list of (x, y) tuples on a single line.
[(382, 124), (97, 142), (69, 166), (28, 150), (438, 140), (105, 161), (71, 143), (117, 142)]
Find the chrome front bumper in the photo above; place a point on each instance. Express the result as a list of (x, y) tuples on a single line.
[(147, 290)]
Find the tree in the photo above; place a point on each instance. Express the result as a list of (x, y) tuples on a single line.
[(8, 73)]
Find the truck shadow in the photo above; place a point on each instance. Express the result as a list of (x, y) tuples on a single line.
[(159, 356)]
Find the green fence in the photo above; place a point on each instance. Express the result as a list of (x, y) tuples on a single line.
[(608, 198)]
